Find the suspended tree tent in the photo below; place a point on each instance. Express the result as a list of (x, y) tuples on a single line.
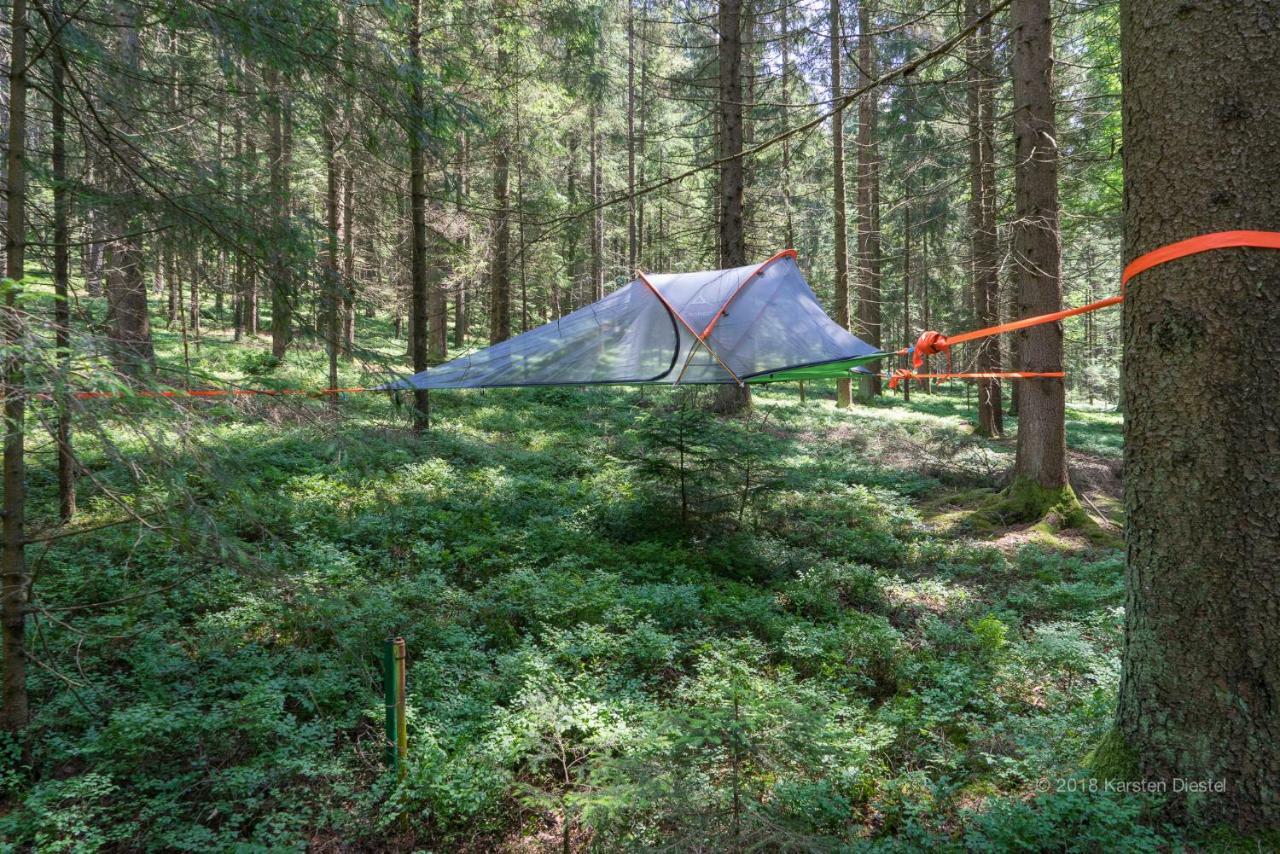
[(752, 324)]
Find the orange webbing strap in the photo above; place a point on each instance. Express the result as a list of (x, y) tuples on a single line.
[(931, 342), (927, 344), (204, 392), (903, 374), (1196, 245)]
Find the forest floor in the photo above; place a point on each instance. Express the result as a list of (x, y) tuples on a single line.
[(629, 624)]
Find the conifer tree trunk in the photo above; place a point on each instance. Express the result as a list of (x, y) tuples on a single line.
[(281, 295), (500, 277), (597, 199), (14, 580), (982, 215), (731, 397), (632, 242), (61, 259), (838, 207), (789, 233), (869, 312), (348, 284), (330, 283), (418, 225), (1200, 688), (1040, 470), (908, 275), (460, 286), (126, 288)]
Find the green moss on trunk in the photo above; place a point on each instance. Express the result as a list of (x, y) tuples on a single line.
[(1112, 759), (1027, 501)]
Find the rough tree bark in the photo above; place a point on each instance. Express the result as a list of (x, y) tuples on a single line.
[(869, 313), (844, 387), (460, 285), (126, 289), (348, 288), (281, 281), (597, 199), (982, 214), (331, 276), (1040, 471), (500, 275), (14, 580), (348, 283), (632, 243), (418, 226), (61, 259), (1200, 689), (731, 397)]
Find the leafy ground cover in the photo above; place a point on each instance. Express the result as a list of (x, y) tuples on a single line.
[(630, 625)]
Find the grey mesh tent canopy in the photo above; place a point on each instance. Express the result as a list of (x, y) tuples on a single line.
[(752, 324)]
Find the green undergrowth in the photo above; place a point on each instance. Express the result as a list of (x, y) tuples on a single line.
[(625, 618)]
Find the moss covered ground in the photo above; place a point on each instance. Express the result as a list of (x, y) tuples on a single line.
[(630, 625)]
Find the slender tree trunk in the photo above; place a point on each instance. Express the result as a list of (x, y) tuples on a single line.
[(597, 199), (982, 215), (347, 286), (332, 277), (1200, 686), (14, 581), (125, 286), (1042, 451), (281, 279), (844, 387), (461, 284), (521, 244), (731, 398), (908, 278), (164, 272), (61, 263), (418, 226), (500, 278), (869, 312), (789, 232), (91, 252), (632, 242), (193, 310)]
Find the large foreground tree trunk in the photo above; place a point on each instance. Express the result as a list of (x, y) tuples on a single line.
[(1041, 467), (1200, 691), (731, 398)]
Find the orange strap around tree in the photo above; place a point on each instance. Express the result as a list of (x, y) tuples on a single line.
[(903, 374), (1196, 245), (931, 342)]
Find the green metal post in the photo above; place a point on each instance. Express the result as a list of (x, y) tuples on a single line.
[(402, 720), (393, 689), (390, 690)]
